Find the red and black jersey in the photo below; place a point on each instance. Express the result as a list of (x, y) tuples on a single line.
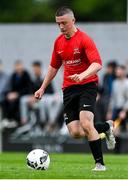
[(76, 54)]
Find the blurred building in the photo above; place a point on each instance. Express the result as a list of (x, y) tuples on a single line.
[(29, 42)]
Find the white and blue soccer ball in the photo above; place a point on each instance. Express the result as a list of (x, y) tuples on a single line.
[(38, 159)]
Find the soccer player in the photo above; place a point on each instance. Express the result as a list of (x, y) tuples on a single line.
[(81, 61)]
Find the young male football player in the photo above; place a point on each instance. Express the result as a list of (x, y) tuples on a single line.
[(76, 51)]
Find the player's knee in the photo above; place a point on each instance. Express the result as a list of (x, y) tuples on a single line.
[(75, 133), (86, 125)]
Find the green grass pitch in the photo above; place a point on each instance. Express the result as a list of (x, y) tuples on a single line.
[(63, 166)]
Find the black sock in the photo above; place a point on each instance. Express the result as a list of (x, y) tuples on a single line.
[(102, 127), (96, 149)]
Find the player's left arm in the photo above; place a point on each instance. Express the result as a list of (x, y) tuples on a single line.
[(93, 57), (92, 70)]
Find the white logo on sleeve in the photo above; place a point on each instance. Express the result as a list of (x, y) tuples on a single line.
[(59, 52)]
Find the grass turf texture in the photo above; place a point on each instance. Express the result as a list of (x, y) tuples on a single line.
[(63, 166)]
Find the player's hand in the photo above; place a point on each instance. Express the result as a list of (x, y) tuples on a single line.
[(77, 77), (38, 94)]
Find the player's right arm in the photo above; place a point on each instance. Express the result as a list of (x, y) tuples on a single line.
[(55, 64), (47, 80)]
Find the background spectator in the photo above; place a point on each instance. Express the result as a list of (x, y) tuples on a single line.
[(118, 106), (19, 85), (28, 101), (104, 91), (3, 82)]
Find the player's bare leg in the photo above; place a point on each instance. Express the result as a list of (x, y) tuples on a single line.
[(75, 129), (86, 121)]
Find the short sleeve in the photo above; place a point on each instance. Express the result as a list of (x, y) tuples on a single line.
[(56, 61), (91, 50)]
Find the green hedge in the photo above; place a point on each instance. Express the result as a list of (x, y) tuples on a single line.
[(44, 10)]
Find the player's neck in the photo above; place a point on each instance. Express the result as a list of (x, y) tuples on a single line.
[(72, 32)]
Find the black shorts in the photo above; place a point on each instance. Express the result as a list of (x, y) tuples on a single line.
[(78, 98)]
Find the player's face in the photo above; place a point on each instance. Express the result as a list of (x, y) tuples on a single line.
[(65, 23)]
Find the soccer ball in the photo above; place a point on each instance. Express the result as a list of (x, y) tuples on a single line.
[(38, 159)]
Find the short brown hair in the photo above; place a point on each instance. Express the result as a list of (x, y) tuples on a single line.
[(64, 10)]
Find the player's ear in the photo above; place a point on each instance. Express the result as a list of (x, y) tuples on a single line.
[(74, 20)]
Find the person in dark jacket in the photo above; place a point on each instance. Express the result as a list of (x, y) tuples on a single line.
[(104, 92), (19, 84), (28, 101)]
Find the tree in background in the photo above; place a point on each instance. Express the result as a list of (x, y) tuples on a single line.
[(100, 10), (44, 10)]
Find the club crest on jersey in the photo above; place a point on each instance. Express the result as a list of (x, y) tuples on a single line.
[(76, 51)]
